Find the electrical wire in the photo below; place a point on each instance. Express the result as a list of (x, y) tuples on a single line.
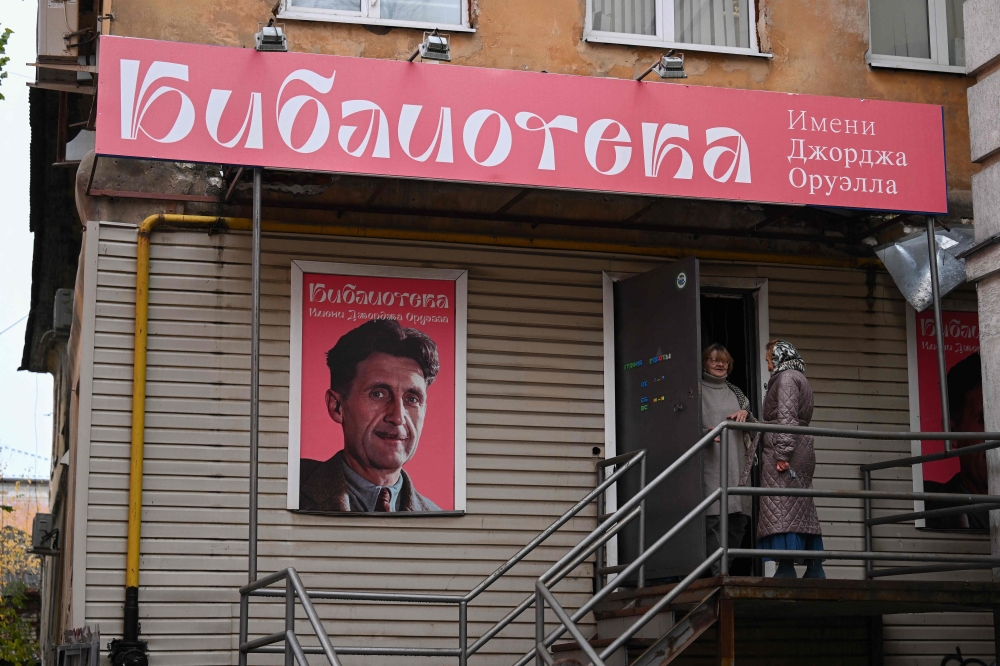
[(14, 324)]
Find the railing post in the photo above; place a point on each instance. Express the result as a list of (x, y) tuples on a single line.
[(289, 620), (642, 522), (463, 633), (539, 628), (938, 330), (599, 564), (867, 482), (244, 625), (724, 503)]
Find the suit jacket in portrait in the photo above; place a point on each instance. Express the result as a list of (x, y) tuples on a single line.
[(322, 487)]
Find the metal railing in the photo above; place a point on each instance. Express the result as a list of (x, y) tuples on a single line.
[(610, 525), (975, 505), (293, 650), (567, 622)]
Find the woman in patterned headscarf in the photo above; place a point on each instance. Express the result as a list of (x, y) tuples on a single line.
[(788, 461)]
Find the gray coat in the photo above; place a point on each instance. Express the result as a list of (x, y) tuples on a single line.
[(718, 401), (789, 401)]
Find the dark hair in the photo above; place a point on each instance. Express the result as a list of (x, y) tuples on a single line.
[(568, 662), (964, 376), (384, 336)]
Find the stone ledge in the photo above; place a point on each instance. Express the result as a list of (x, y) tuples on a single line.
[(984, 117), (986, 202), (982, 32)]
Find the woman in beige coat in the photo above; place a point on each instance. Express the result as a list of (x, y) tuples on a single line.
[(788, 461)]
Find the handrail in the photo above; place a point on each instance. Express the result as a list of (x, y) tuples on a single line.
[(567, 622), (609, 528), (611, 525), (293, 589)]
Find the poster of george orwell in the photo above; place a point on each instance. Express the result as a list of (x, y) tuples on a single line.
[(377, 390)]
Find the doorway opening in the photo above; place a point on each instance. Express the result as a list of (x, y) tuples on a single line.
[(729, 318)]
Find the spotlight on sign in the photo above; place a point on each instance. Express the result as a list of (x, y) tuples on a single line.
[(670, 66), (271, 37), (436, 46)]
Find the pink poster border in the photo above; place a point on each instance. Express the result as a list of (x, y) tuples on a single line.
[(460, 278)]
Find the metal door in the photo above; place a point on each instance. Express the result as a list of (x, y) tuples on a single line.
[(658, 406)]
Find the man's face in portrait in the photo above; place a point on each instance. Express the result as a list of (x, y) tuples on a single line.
[(382, 412)]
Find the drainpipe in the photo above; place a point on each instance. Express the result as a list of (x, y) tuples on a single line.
[(129, 650)]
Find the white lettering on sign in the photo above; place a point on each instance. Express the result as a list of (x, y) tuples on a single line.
[(408, 120), (952, 329), (288, 112), (574, 133), (593, 139), (798, 122), (653, 156), (741, 155), (213, 114), (350, 294), (523, 120), (349, 108), (818, 182), (131, 121), (471, 133)]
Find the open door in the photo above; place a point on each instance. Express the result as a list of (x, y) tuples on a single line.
[(658, 406)]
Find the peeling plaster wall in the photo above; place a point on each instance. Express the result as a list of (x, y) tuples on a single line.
[(818, 47)]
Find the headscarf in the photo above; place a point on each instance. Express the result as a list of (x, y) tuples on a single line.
[(786, 357)]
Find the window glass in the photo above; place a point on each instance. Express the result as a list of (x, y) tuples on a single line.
[(636, 17), (716, 22), (444, 12), (956, 33), (900, 28), (339, 5)]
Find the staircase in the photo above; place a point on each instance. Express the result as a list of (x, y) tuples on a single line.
[(835, 622), (670, 632)]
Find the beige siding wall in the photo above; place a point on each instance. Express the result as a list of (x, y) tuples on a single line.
[(535, 398)]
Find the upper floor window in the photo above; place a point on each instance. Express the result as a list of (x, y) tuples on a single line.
[(725, 26), (917, 34), (448, 14)]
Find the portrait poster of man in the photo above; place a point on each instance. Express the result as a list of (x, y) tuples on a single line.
[(377, 390), (965, 474)]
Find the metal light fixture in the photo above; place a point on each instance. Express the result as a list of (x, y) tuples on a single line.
[(436, 46), (908, 262), (670, 66), (271, 37)]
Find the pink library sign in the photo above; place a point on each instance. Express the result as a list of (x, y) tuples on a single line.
[(190, 102)]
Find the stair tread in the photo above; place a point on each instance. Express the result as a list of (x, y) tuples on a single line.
[(641, 610), (687, 600), (602, 643)]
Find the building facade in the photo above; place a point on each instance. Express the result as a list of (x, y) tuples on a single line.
[(538, 262)]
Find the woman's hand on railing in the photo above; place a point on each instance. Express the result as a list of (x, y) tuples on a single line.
[(739, 417)]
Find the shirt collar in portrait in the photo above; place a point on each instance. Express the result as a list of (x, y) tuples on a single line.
[(366, 493)]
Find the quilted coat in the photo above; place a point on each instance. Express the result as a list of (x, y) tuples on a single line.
[(789, 401)]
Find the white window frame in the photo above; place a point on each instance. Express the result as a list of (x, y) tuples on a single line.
[(937, 19), (370, 14), (664, 37)]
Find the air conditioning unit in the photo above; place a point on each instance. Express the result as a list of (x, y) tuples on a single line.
[(44, 535), (57, 19), (62, 310)]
